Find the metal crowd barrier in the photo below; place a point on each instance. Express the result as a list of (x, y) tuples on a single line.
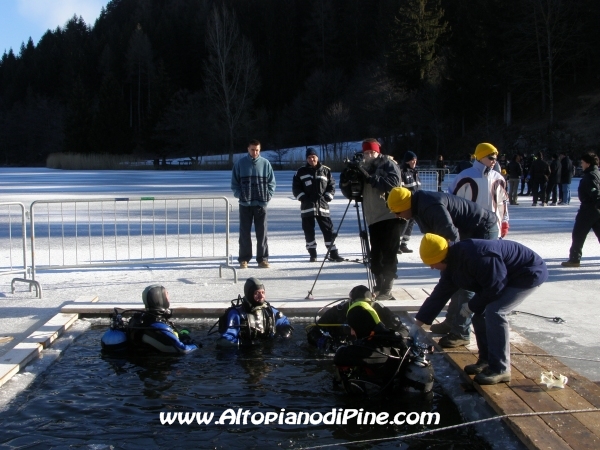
[(13, 245), (429, 179), (116, 232)]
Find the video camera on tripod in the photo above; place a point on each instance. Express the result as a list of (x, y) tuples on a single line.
[(352, 179)]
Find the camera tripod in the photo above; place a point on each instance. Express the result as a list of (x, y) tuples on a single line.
[(364, 243)]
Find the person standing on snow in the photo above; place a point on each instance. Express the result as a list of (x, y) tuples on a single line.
[(253, 183), (486, 187), (411, 181), (314, 186), (588, 216), (553, 187), (515, 174), (566, 176), (539, 174), (381, 174)]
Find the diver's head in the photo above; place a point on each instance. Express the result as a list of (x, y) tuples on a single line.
[(360, 292), (156, 300), (254, 292), (363, 319)]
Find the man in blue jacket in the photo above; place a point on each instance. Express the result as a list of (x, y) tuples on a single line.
[(502, 274), (252, 319), (253, 183)]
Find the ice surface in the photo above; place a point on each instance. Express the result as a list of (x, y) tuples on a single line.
[(569, 293)]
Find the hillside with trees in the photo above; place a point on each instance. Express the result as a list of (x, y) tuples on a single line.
[(170, 78)]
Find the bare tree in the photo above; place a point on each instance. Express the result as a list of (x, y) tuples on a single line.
[(231, 73), (334, 128), (280, 156)]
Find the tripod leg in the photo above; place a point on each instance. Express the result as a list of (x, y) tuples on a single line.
[(333, 238), (364, 240)]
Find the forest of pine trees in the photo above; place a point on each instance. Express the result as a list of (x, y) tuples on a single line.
[(172, 78)]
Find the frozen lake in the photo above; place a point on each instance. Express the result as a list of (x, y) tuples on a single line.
[(569, 293)]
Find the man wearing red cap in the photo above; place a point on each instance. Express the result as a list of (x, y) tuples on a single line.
[(381, 174)]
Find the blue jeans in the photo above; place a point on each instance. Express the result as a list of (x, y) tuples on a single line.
[(566, 193), (492, 330), (462, 325)]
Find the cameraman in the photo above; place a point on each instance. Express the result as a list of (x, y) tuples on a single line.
[(381, 174)]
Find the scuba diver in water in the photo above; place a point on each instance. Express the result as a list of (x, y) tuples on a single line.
[(379, 358), (332, 330), (150, 328), (251, 318)]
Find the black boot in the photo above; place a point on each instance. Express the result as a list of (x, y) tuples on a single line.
[(335, 256), (404, 248), (385, 293), (313, 254)]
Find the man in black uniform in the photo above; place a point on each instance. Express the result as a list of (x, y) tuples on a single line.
[(411, 181), (314, 187)]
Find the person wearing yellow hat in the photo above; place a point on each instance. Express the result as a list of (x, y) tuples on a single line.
[(486, 187), (452, 217), (501, 273)]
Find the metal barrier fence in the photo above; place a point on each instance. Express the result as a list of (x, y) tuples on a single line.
[(115, 232), (430, 179), (13, 244)]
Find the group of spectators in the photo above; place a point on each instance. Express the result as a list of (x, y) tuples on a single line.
[(548, 183), (483, 275), (480, 274)]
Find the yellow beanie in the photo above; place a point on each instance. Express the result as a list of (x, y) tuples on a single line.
[(399, 199), (482, 150), (433, 249)]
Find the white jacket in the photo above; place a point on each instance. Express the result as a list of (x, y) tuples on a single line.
[(485, 187)]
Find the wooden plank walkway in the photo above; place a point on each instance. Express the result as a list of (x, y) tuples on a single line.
[(525, 394)]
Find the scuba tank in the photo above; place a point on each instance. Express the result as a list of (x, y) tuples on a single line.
[(115, 338)]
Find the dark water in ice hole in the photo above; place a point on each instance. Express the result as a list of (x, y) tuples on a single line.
[(86, 400)]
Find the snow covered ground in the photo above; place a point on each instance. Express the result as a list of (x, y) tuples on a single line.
[(571, 294)]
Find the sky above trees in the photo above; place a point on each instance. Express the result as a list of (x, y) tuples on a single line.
[(24, 19)]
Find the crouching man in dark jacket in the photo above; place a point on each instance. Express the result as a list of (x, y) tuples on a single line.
[(502, 274)]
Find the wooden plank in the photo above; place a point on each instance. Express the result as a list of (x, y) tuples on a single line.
[(7, 371), (52, 329), (569, 399), (573, 432), (532, 430), (588, 390)]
